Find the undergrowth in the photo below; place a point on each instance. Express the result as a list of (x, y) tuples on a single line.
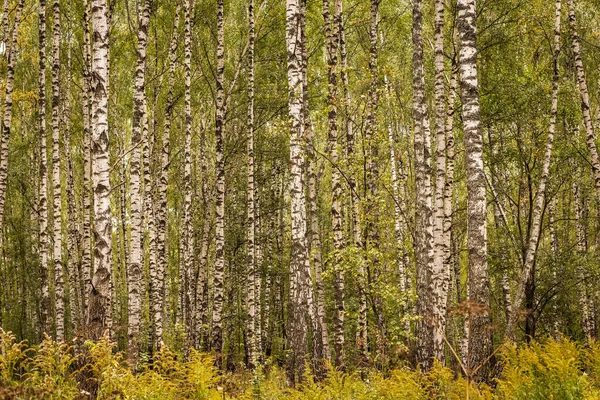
[(546, 370)]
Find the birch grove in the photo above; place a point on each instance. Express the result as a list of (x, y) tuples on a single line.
[(363, 186)]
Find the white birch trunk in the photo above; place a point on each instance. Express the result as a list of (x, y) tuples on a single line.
[(587, 325), (202, 282), (134, 267), (449, 181), (297, 303), (99, 308), (423, 242), (11, 51), (73, 245), (440, 277), (478, 280), (219, 266), (251, 256), (59, 296), (590, 137), (86, 253), (188, 229), (43, 194), (162, 216)]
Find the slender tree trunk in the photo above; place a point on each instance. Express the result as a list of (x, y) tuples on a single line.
[(332, 28), (56, 178), (423, 242), (480, 336), (73, 245), (99, 309), (156, 331), (5, 21), (11, 52), (587, 325), (399, 210), (267, 330), (162, 209), (134, 267), (202, 283), (356, 240), (86, 253), (371, 209), (440, 278), (297, 328), (188, 251), (585, 99), (219, 268), (43, 197), (536, 225), (554, 245), (258, 251), (310, 175), (252, 296), (449, 180)]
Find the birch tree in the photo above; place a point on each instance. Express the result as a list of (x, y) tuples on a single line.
[(219, 268), (86, 88), (590, 137), (332, 40), (161, 211), (43, 196), (297, 326), (440, 273), (56, 177), (253, 296), (99, 315), (423, 241), (188, 255), (134, 268), (478, 280), (313, 231), (11, 50)]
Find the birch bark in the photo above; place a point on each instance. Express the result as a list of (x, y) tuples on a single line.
[(590, 136), (99, 308), (163, 183), (59, 283), (188, 251), (86, 252), (440, 276), (297, 329), (478, 281), (43, 194), (251, 286), (423, 242), (219, 268), (134, 267), (11, 51), (332, 40)]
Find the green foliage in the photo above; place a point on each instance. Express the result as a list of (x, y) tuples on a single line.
[(51, 370), (542, 370), (549, 370)]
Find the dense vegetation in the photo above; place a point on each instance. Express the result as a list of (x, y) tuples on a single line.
[(309, 198), (549, 370)]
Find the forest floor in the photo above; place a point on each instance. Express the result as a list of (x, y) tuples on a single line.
[(541, 370)]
